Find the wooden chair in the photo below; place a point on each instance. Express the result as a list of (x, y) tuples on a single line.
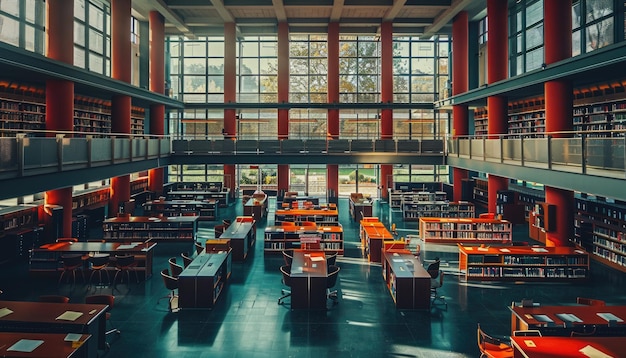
[(54, 299), (286, 272), (72, 264), (186, 259), (175, 268), (492, 347), (124, 265), (108, 300)]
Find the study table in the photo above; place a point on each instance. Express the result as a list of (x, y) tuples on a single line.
[(43, 317), (373, 233), (571, 347), (242, 235), (42, 345), (202, 281), (407, 280), (46, 257), (562, 320), (308, 279)]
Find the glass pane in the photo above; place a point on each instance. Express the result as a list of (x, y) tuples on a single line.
[(96, 63), (194, 84), (10, 31), (534, 13), (401, 49), (576, 15), (79, 57), (422, 65), (534, 37), (10, 7), (29, 38), (216, 49), (423, 49), (216, 66), (249, 49), (534, 59), (195, 66), (79, 34), (194, 49), (96, 41), (576, 43), (249, 66), (269, 49), (268, 65), (96, 17), (597, 9), (215, 84), (600, 34)]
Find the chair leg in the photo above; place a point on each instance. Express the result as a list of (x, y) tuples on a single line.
[(285, 294)]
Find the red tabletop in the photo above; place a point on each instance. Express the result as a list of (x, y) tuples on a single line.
[(571, 347), (308, 263)]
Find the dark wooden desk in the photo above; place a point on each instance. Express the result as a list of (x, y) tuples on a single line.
[(201, 283), (41, 317), (242, 236), (53, 346), (562, 320), (46, 257), (255, 207), (308, 279), (407, 280), (571, 347)]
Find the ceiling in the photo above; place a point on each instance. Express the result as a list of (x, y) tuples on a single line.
[(193, 18)]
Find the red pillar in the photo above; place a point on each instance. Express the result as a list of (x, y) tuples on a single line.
[(559, 103), (497, 70), (156, 177), (120, 105), (283, 177), (460, 84), (60, 93), (332, 170), (230, 96), (386, 96)]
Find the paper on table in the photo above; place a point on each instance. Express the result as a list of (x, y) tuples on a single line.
[(610, 317), (317, 258), (73, 337), (397, 260), (592, 352), (542, 318), (539, 249), (5, 311), (70, 316), (505, 250), (25, 345), (569, 317)]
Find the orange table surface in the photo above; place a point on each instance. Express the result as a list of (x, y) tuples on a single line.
[(552, 347)]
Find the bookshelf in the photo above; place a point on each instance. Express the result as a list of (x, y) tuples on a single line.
[(541, 221), (527, 117), (522, 263), (203, 281), (480, 121), (222, 197), (19, 231), (510, 207), (439, 209), (92, 115), (600, 227), (465, 230), (22, 109), (142, 228), (360, 206), (480, 192), (373, 234), (137, 116), (326, 216), (204, 210), (280, 238)]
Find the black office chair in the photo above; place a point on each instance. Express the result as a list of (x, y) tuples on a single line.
[(435, 283), (108, 300), (175, 268), (99, 263), (331, 281), (124, 265), (286, 271), (199, 248), (186, 259), (288, 257), (72, 264), (171, 283)]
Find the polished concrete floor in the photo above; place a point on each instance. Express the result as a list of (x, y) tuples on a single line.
[(248, 322)]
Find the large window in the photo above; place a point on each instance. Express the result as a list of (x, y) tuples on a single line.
[(359, 70), (308, 68), (592, 25), (526, 36), (92, 36), (258, 70), (22, 24)]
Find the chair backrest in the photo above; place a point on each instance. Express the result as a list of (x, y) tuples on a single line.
[(331, 277), (100, 260), (433, 268), (288, 257), (170, 282), (286, 271), (489, 345), (125, 261), (175, 268), (101, 300), (437, 280), (527, 333), (54, 298), (71, 261), (331, 259), (186, 259), (219, 230), (199, 248)]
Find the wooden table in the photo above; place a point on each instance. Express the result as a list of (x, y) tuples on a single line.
[(46, 257), (54, 345), (308, 279), (407, 280), (202, 281), (41, 317), (571, 347), (242, 235), (562, 320), (373, 233)]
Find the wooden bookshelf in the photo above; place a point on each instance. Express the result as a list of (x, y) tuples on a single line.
[(360, 206), (137, 117), (600, 227), (480, 121), (157, 229), (222, 197), (460, 230), (280, 238), (510, 207), (542, 220), (522, 263), (326, 216), (19, 231), (438, 209), (373, 234), (22, 109), (480, 192), (92, 115), (527, 117), (90, 199), (204, 210)]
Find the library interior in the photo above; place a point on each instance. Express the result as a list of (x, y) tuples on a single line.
[(302, 179)]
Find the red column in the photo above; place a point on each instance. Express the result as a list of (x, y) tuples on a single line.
[(283, 177), (120, 105), (559, 103), (60, 93), (332, 170), (156, 177), (283, 78), (230, 96), (460, 84), (386, 96), (497, 70)]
